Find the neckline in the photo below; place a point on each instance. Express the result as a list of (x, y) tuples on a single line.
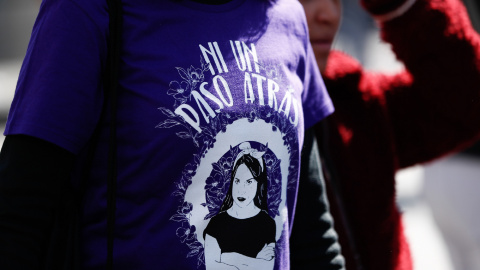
[(212, 2), (256, 214), (232, 4)]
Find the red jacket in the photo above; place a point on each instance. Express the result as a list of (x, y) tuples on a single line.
[(384, 123)]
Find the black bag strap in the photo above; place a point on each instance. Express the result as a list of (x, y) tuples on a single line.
[(63, 251), (111, 86)]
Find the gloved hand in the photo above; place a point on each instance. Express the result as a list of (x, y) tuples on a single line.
[(380, 7)]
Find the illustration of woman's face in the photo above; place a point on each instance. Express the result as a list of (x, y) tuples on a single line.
[(244, 187)]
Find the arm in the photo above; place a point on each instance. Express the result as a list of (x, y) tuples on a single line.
[(34, 177), (314, 242), (431, 108), (215, 259), (444, 93), (213, 255), (264, 260)]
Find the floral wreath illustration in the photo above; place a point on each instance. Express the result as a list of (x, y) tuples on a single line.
[(217, 183)]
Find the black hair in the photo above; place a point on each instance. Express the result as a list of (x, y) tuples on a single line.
[(259, 174)]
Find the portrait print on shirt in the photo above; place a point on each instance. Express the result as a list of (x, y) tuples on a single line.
[(242, 116), (242, 233)]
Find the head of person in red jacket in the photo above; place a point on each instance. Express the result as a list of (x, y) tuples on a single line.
[(323, 18)]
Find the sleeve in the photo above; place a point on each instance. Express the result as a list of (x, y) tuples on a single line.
[(272, 228), (314, 241), (59, 91), (438, 110), (212, 228), (433, 107), (33, 192), (315, 99)]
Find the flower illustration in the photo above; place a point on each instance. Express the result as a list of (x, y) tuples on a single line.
[(226, 163), (269, 160), (180, 91), (185, 208), (273, 72), (186, 232), (213, 183), (195, 76), (190, 169)]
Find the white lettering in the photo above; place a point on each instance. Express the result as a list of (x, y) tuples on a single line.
[(287, 102), (209, 95), (229, 103), (182, 111), (260, 80), (295, 110), (272, 98), (203, 104), (241, 64), (253, 53), (249, 96), (220, 56), (211, 51)]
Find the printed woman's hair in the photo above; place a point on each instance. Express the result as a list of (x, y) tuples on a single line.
[(258, 173)]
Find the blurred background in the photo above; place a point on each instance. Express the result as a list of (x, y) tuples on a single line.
[(439, 200), (16, 21)]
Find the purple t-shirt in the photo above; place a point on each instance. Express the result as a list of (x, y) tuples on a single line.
[(201, 86)]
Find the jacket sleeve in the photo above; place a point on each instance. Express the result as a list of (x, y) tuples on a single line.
[(439, 111), (433, 107)]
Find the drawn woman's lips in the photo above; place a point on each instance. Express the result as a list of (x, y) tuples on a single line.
[(241, 199)]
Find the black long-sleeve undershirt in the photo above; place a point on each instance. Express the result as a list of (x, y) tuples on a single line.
[(34, 191), (314, 241)]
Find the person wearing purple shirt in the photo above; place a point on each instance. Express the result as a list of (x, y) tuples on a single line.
[(197, 82)]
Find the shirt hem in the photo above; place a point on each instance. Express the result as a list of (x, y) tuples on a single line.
[(44, 134)]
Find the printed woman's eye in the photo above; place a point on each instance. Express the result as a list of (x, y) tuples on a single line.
[(249, 181), (237, 181)]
